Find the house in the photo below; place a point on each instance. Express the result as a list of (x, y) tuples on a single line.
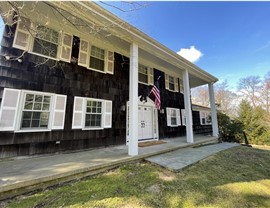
[(74, 76)]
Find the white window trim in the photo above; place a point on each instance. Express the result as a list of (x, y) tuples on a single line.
[(106, 59), (167, 83), (204, 114), (20, 110), (83, 111), (31, 45), (177, 113), (150, 77)]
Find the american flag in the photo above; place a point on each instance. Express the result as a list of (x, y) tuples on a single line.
[(155, 91)]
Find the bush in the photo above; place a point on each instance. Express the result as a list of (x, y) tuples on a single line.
[(229, 130)]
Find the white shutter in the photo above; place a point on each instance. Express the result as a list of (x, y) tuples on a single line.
[(9, 108), (183, 112), (66, 47), (176, 86), (181, 86), (77, 121), (178, 118), (83, 53), (150, 72), (168, 111), (22, 34), (108, 114), (110, 62), (59, 112), (166, 81)]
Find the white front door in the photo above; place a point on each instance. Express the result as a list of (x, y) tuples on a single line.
[(145, 122)]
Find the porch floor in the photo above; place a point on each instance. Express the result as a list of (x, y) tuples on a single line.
[(23, 174)]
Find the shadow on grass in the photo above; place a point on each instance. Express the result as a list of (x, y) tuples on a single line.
[(238, 177)]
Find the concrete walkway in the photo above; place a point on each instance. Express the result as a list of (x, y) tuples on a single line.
[(19, 175), (178, 159)]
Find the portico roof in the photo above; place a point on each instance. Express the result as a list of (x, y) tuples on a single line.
[(112, 31)]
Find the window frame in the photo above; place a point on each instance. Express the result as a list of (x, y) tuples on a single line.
[(149, 75), (89, 58), (33, 110), (146, 68), (32, 40), (80, 111), (85, 113), (168, 83), (177, 117), (204, 115)]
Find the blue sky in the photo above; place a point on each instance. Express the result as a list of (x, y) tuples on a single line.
[(234, 37)]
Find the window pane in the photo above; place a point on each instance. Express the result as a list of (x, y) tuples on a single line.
[(45, 48), (173, 121), (46, 107), (37, 106), (28, 106), (27, 115), (47, 99), (29, 97), (44, 119), (171, 86), (36, 115), (38, 98), (96, 63), (26, 123)]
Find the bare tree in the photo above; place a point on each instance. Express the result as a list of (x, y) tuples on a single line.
[(226, 100), (250, 87), (265, 93), (200, 96)]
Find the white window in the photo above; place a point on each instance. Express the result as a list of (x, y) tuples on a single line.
[(97, 59), (27, 111), (45, 41), (171, 83), (205, 118), (91, 114), (146, 75), (173, 117)]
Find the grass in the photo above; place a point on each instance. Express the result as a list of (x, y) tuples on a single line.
[(238, 177)]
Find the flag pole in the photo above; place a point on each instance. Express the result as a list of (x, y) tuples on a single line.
[(154, 84)]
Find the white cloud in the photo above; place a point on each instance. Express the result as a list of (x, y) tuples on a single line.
[(191, 54)]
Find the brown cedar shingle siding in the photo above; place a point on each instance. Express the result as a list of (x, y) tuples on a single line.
[(73, 80)]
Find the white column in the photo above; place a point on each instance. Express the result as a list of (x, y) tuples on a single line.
[(133, 101), (213, 109), (189, 127)]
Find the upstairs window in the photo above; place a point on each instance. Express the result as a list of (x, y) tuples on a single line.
[(143, 74), (97, 59), (46, 41), (146, 75), (171, 83), (50, 43)]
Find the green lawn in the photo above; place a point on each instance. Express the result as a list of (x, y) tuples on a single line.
[(238, 177)]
